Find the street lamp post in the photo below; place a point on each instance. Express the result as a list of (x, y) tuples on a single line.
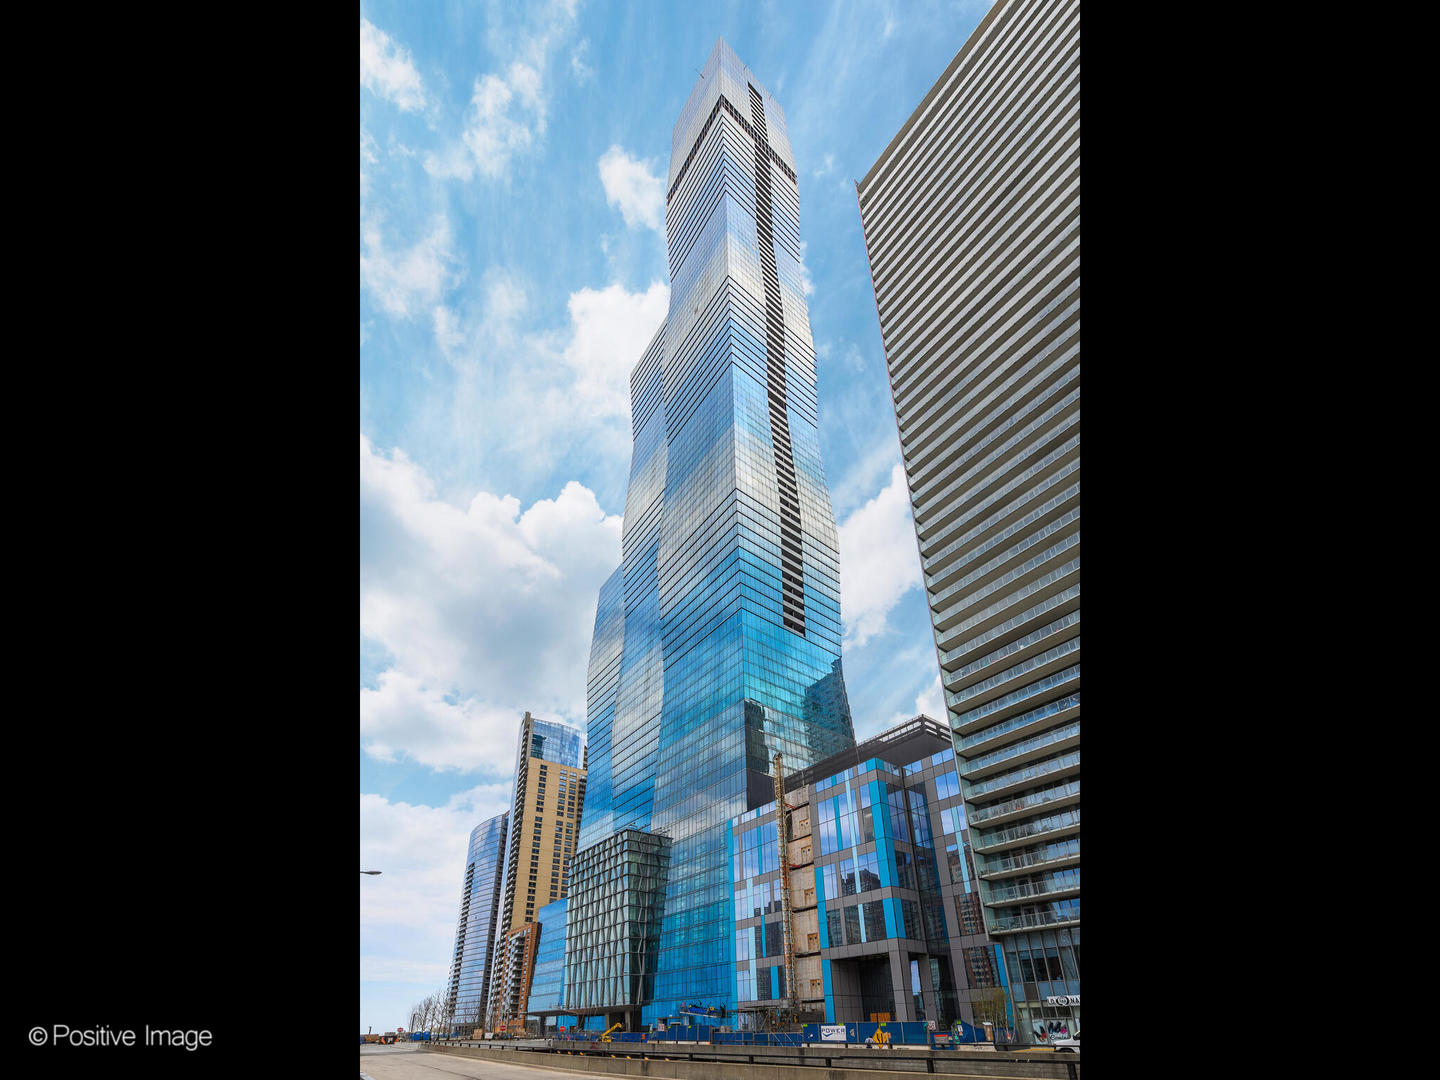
[(372, 1028)]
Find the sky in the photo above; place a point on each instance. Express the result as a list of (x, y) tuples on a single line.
[(512, 270)]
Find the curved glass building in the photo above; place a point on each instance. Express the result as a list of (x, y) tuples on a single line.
[(469, 986), (717, 641)]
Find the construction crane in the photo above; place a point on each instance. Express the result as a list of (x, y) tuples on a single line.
[(782, 821), (605, 1038)]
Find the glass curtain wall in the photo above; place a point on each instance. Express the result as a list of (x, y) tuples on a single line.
[(717, 643), (469, 987)]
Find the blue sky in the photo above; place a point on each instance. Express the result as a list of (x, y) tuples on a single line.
[(512, 270)]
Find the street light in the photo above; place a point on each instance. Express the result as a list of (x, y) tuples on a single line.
[(370, 871)]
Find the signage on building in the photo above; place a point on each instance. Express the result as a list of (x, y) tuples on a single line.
[(1063, 999), (832, 1032)]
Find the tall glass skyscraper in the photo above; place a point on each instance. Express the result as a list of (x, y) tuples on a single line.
[(717, 641), (972, 224), (475, 932)]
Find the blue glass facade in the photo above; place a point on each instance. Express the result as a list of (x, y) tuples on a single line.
[(885, 915), (469, 986), (547, 988), (717, 642), (550, 740)]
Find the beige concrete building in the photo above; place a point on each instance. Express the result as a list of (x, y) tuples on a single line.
[(544, 824)]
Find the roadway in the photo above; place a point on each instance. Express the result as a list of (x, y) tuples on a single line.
[(409, 1062)]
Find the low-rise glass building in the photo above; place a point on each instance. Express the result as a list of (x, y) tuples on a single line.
[(617, 895), (547, 988), (885, 911)]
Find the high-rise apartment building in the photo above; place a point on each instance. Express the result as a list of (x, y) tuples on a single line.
[(972, 225), (717, 641), (545, 815), (469, 985)]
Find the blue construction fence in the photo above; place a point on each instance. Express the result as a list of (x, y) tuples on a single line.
[(902, 1033), (621, 1036), (696, 1033), (759, 1038)]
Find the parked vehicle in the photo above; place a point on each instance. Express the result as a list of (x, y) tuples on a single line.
[(1072, 1045)]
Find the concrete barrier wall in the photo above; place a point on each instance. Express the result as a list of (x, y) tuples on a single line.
[(800, 1066)]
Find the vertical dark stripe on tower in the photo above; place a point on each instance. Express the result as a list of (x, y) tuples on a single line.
[(792, 565)]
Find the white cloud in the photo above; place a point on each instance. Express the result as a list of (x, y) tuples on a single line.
[(610, 329), (486, 325), (583, 72), (806, 282), (368, 146), (931, 701), (866, 475), (402, 715), (386, 69), (524, 401), (507, 114), (631, 185), (487, 612), (448, 332), (505, 117), (408, 913), (406, 282), (505, 299), (826, 169), (879, 562)]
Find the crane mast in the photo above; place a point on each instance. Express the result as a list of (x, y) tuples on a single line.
[(782, 821)]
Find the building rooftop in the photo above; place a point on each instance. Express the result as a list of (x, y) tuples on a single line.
[(916, 738)]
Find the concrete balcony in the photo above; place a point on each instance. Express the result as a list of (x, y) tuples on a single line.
[(1055, 797), (984, 741), (1019, 923), (1028, 891), (1053, 768), (1021, 753), (1021, 835), (1004, 868)]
